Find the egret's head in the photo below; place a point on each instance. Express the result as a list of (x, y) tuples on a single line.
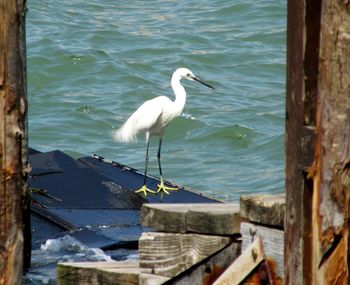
[(185, 73)]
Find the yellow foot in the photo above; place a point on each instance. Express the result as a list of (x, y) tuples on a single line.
[(145, 190), (162, 188)]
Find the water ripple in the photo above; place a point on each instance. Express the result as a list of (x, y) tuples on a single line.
[(90, 64)]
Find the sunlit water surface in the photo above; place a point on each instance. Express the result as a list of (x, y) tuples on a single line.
[(92, 63)]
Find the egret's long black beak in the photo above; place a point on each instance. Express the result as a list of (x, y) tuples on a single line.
[(204, 83)]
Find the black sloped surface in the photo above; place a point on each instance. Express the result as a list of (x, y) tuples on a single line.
[(94, 199), (131, 179), (77, 185)]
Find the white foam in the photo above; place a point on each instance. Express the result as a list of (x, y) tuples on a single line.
[(73, 250)]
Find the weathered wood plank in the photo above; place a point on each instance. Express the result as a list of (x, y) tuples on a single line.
[(158, 217), (243, 265), (209, 269), (119, 276), (151, 279), (168, 254), (99, 273), (217, 219), (273, 240), (221, 219), (265, 209), (84, 273)]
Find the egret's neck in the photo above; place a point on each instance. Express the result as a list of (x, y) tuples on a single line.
[(180, 94)]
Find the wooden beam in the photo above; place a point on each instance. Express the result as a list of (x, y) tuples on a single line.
[(216, 219), (273, 240), (151, 279), (209, 269), (168, 254), (99, 273), (243, 265), (264, 209), (164, 217), (13, 140)]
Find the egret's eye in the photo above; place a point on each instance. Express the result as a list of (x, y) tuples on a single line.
[(188, 75)]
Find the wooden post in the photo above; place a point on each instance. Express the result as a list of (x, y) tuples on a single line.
[(13, 141), (302, 71), (331, 169), (317, 143)]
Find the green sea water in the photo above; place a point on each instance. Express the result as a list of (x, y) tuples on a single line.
[(92, 63)]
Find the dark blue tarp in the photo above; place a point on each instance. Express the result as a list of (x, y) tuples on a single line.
[(95, 200)]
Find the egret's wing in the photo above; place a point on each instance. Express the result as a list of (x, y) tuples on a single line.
[(141, 120)]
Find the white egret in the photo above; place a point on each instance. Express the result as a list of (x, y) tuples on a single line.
[(153, 117)]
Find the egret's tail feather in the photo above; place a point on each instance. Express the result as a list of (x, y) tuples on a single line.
[(125, 134)]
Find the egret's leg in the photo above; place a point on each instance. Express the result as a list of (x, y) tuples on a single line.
[(158, 157), (144, 188), (161, 186)]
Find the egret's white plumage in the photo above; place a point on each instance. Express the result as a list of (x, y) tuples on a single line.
[(153, 116)]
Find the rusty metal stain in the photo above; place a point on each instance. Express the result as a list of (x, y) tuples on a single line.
[(212, 273), (334, 241), (265, 273), (336, 266)]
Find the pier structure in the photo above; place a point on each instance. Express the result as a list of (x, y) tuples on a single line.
[(216, 243), (313, 239)]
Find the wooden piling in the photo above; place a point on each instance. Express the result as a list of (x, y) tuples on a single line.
[(317, 143), (13, 140), (330, 172), (302, 61)]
